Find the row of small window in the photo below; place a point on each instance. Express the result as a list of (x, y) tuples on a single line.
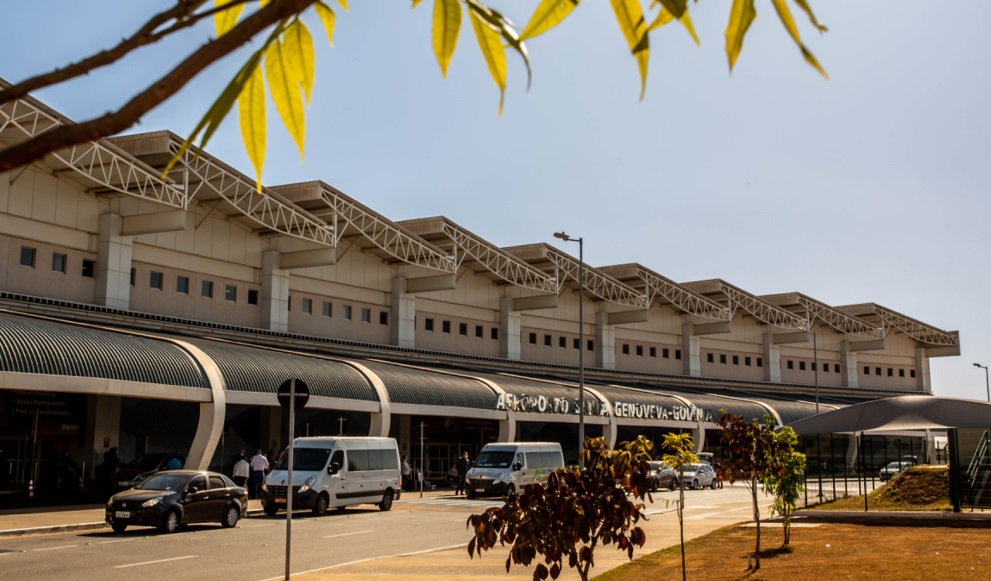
[(665, 352), (59, 262), (891, 371), (156, 280), (327, 310), (747, 360), (562, 342), (445, 327), (801, 366)]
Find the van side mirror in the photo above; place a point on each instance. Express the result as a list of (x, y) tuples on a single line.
[(518, 466), (334, 468)]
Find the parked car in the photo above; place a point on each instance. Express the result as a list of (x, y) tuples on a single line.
[(174, 498), (661, 476), (143, 466), (893, 469), (705, 458), (699, 476)]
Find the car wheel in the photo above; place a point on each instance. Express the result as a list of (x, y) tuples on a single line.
[(510, 490), (230, 517), (653, 485), (386, 503), (170, 523), (118, 527), (695, 485), (320, 505), (271, 509), (712, 484), (674, 484)]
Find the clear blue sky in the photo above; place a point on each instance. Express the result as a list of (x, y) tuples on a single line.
[(869, 187)]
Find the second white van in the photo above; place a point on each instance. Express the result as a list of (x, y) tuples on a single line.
[(504, 467), (335, 472)]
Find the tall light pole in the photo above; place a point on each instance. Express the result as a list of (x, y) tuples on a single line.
[(581, 342), (987, 384)]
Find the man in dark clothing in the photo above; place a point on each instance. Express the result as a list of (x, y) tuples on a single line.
[(462, 466)]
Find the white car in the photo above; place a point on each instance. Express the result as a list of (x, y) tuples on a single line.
[(893, 469), (699, 476)]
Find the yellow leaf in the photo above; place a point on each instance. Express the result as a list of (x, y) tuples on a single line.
[(285, 92), (490, 43), (251, 110), (298, 48), (741, 15), (789, 23), (631, 22), (226, 19), (328, 18), (344, 5), (415, 2), (546, 16), (663, 17), (812, 17), (447, 24)]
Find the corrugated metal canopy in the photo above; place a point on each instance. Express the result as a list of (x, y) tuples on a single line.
[(417, 385), (46, 347)]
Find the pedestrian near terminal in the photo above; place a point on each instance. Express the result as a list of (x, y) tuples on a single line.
[(462, 466), (259, 465), (407, 472), (241, 471), (173, 463)]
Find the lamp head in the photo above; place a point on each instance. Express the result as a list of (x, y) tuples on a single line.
[(562, 236), (978, 365)]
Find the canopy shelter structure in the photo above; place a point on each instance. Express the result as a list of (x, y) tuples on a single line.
[(910, 412)]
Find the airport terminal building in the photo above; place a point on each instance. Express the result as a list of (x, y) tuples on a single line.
[(160, 314)]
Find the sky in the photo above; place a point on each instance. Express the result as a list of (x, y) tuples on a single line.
[(871, 186)]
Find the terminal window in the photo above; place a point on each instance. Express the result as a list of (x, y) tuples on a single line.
[(801, 366), (533, 338), (27, 256), (328, 311), (206, 289), (736, 360), (590, 345), (182, 285), (791, 364), (156, 280), (653, 351), (495, 333), (89, 268), (479, 331), (428, 324), (547, 340), (626, 348), (308, 306), (722, 358), (746, 361), (576, 344), (230, 293), (677, 353), (562, 342), (639, 350), (709, 357), (760, 362), (665, 352), (463, 329), (366, 315), (252, 296), (58, 262), (383, 318), (445, 326)]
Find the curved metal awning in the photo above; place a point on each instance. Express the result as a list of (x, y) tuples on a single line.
[(419, 385), (909, 412)]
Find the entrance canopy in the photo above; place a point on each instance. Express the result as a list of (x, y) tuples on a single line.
[(910, 412)]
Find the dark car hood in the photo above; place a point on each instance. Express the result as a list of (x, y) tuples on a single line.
[(136, 495)]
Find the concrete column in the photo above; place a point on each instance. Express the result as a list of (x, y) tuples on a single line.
[(402, 333), (404, 439), (270, 430), (113, 264), (851, 454), (923, 381), (848, 365), (103, 430), (772, 359), (691, 351), (510, 330), (275, 294), (605, 340)]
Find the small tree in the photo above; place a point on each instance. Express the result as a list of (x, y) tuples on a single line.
[(785, 481), (752, 448), (682, 452), (577, 510)]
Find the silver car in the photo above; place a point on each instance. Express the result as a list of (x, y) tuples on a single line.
[(699, 476), (893, 469)]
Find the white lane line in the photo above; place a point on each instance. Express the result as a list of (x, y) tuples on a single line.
[(462, 545), (347, 534), (118, 541), (56, 548), (271, 524), (154, 562)]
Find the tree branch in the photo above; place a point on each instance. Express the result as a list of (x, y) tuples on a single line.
[(115, 122)]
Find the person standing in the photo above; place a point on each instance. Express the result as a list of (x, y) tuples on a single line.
[(462, 466), (407, 472), (241, 471), (173, 463), (259, 465)]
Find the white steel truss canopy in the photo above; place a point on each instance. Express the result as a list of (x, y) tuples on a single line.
[(370, 230), (735, 298), (666, 292), (482, 257), (564, 269), (96, 165), (211, 181), (889, 319), (814, 310)]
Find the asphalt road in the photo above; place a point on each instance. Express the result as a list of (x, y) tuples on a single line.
[(255, 550)]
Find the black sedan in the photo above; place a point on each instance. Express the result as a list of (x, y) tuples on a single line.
[(174, 498)]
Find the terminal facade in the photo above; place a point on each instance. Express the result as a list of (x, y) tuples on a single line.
[(160, 314)]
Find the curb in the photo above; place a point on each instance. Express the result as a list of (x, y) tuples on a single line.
[(71, 528)]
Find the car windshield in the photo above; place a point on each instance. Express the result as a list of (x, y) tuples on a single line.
[(306, 459), (692, 467), (169, 482), (895, 465), (494, 460)]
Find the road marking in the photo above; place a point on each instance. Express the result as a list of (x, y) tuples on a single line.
[(347, 534), (462, 545), (154, 562), (119, 541), (56, 548)]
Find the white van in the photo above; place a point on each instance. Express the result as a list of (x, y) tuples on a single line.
[(504, 467), (335, 472)]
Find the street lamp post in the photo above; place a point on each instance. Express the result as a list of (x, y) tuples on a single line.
[(987, 383), (581, 342)]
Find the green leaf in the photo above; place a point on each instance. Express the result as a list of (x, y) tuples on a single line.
[(741, 15), (784, 14), (298, 47), (490, 43), (251, 110), (447, 24), (634, 28), (226, 19), (328, 19), (285, 92), (547, 15)]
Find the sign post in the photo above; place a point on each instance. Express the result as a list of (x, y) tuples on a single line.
[(293, 394)]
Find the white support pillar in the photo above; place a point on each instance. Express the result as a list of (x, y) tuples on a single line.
[(605, 338), (103, 417), (923, 381), (510, 330), (691, 347), (402, 332), (848, 365), (772, 359), (851, 454), (275, 293), (113, 264)]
